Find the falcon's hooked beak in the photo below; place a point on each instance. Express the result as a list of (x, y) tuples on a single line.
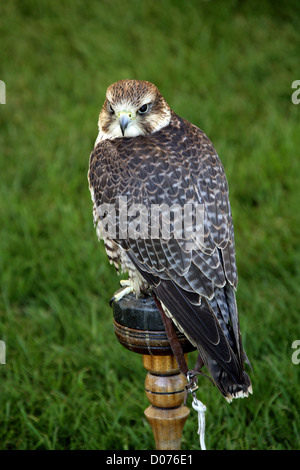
[(125, 117)]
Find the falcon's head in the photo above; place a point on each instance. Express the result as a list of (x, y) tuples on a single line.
[(132, 108)]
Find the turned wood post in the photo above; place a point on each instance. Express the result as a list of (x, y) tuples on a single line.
[(139, 328)]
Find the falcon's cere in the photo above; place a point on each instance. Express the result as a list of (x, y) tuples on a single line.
[(149, 155)]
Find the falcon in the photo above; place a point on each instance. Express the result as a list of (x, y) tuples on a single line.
[(146, 157)]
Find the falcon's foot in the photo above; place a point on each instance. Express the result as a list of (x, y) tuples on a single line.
[(127, 288)]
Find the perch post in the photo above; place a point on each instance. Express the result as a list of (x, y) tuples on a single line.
[(139, 328)]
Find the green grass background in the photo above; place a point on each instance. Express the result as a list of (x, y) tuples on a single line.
[(226, 66)]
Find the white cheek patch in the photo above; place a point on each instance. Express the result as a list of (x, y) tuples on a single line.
[(114, 131), (133, 130)]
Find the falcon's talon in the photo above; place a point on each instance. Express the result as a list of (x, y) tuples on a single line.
[(120, 293)]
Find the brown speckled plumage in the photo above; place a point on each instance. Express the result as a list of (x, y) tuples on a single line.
[(176, 164)]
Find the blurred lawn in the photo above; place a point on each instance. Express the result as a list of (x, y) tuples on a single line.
[(226, 66)]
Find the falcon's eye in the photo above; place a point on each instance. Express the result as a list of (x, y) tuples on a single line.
[(110, 109), (143, 109)]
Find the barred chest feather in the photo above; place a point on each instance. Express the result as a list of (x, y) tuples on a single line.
[(118, 256)]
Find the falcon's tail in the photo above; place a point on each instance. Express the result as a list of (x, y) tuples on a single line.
[(215, 333), (230, 386)]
